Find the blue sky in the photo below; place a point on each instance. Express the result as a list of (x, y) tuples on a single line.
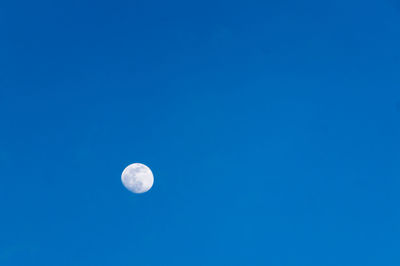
[(271, 127)]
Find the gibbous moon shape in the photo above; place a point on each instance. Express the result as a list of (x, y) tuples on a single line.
[(137, 178)]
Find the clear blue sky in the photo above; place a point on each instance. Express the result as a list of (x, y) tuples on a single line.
[(272, 129)]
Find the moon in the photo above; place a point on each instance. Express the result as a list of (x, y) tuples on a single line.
[(137, 178)]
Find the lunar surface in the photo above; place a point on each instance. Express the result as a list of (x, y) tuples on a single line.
[(137, 178)]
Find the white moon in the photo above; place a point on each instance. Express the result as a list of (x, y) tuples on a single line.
[(137, 178)]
